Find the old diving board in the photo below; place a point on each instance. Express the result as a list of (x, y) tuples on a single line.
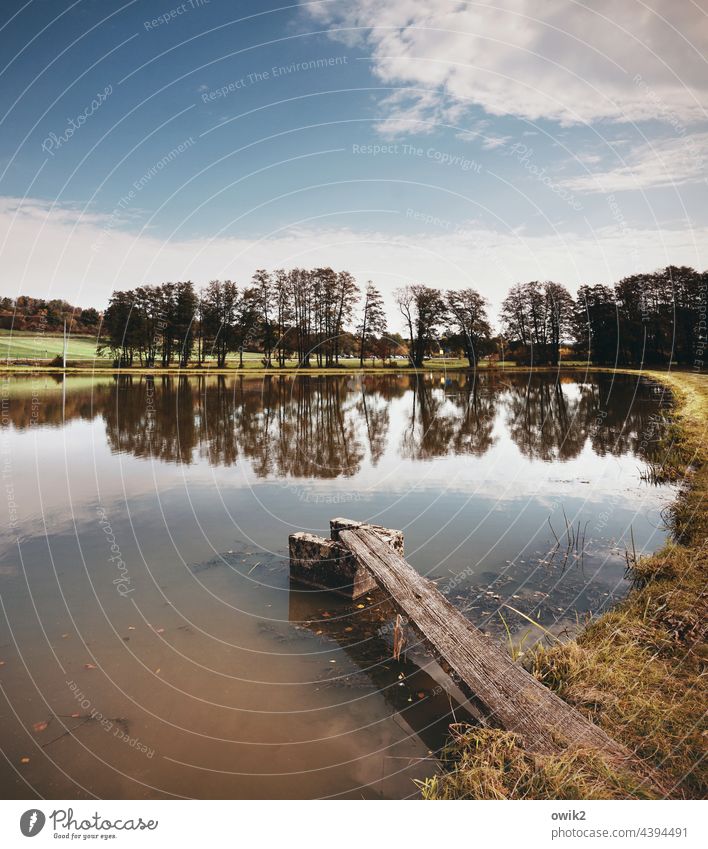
[(501, 691)]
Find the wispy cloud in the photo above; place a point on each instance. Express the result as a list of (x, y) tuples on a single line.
[(665, 162)]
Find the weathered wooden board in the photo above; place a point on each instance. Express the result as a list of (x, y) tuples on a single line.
[(506, 695), (390, 536)]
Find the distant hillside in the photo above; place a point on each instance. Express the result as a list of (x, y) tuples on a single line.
[(39, 315)]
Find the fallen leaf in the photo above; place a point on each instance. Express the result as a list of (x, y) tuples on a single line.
[(349, 628), (421, 695), (64, 636), (24, 760), (160, 630), (75, 715), (131, 627), (157, 671), (89, 666), (40, 726), (360, 606), (326, 615)]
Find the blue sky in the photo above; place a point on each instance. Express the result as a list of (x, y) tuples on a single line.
[(449, 142)]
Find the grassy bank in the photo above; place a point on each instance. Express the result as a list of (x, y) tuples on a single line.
[(638, 671)]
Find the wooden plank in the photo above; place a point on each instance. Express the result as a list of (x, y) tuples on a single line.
[(390, 536), (505, 694)]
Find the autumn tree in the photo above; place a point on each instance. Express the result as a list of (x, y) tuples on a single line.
[(467, 315)]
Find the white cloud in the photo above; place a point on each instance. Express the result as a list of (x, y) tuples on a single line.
[(664, 162), (58, 252), (493, 142), (559, 59)]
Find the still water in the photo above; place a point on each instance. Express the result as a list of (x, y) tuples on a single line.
[(151, 644)]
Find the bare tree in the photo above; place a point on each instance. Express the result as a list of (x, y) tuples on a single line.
[(423, 309)]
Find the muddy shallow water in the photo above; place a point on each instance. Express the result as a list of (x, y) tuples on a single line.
[(150, 639)]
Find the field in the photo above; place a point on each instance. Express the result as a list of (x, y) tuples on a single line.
[(44, 346)]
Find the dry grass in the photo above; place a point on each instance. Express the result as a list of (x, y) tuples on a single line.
[(638, 671), (488, 764)]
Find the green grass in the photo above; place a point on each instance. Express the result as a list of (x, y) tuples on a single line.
[(42, 347), (16, 345)]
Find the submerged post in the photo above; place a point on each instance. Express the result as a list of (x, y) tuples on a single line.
[(328, 565)]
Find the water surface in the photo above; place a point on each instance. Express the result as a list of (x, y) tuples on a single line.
[(147, 613)]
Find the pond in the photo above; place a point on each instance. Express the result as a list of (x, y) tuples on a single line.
[(151, 642)]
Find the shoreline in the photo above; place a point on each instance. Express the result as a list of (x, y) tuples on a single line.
[(343, 371), (636, 670)]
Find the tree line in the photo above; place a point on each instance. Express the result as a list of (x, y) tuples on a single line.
[(306, 314), (317, 316), (652, 318), (40, 314)]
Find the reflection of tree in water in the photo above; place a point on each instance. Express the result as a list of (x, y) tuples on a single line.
[(217, 423), (544, 421), (628, 417), (373, 408), (321, 426), (458, 418), (552, 419), (152, 417), (326, 440)]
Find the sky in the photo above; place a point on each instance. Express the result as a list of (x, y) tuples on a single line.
[(439, 141)]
